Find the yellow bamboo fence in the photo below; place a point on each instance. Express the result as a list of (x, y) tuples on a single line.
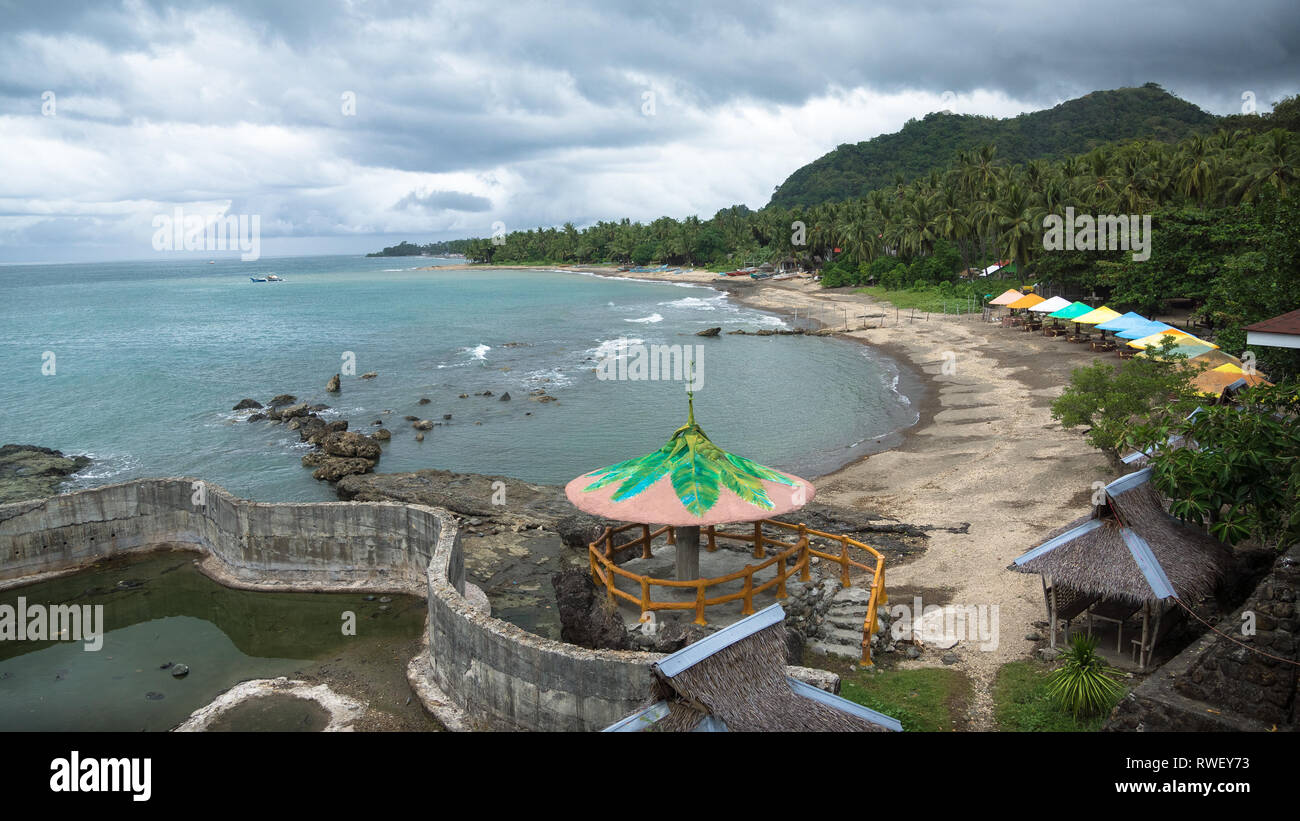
[(787, 557)]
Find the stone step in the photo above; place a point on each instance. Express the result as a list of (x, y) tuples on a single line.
[(823, 648), (847, 622), (843, 636), (849, 610)]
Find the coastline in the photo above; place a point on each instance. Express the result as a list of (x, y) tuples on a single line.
[(984, 465)]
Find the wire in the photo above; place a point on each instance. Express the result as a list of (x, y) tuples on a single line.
[(1212, 629)]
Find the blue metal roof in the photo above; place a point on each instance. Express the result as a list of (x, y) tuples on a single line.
[(1128, 482), (639, 720), (1051, 544), (1148, 564), (844, 705), (693, 654)]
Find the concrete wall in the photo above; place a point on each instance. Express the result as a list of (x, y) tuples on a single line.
[(322, 546), (479, 672)]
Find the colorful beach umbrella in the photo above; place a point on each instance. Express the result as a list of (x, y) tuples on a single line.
[(1139, 331), (1006, 297), (1097, 316), (1071, 311), (1156, 339), (1056, 303), (1026, 301), (1123, 322), (688, 483), (1213, 381)]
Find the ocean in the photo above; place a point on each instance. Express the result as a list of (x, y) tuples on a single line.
[(138, 364)]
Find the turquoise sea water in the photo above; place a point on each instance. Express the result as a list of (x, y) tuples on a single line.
[(149, 357)]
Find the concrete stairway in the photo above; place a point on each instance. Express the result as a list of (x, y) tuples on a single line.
[(841, 632)]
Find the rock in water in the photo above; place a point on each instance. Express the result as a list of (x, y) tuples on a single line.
[(709, 332), (369, 375), (245, 404), (180, 671), (31, 472), (333, 385), (586, 619), (424, 400), (505, 397), (282, 400)]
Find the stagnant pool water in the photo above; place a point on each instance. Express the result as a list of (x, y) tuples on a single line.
[(159, 611)]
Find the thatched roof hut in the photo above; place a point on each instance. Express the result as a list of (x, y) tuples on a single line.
[(734, 680), (1129, 550)]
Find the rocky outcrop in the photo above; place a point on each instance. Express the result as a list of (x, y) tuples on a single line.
[(1230, 678), (709, 332), (587, 619), (246, 404), (333, 385), (338, 452), (31, 472)]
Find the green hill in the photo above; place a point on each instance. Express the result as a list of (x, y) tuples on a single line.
[(1073, 127)]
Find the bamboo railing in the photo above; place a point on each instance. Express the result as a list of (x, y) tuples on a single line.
[(788, 558)]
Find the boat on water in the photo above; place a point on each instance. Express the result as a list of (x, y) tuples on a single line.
[(258, 279), (267, 278)]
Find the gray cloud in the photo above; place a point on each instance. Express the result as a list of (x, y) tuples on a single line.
[(533, 113)]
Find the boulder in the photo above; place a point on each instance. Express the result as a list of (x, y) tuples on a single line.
[(282, 400), (423, 424), (505, 397), (586, 617), (245, 404), (347, 444), (424, 400), (333, 385), (369, 374), (31, 472), (331, 470), (257, 417), (381, 435), (709, 332), (293, 411)]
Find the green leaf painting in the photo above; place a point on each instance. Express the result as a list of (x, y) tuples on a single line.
[(698, 470)]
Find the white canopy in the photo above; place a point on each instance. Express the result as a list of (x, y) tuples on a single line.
[(1052, 305)]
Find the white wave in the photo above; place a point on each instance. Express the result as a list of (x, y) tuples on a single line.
[(479, 352), (648, 319), (549, 376), (103, 466), (614, 347), (698, 303)]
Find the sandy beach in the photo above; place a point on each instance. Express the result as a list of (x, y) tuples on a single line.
[(984, 453)]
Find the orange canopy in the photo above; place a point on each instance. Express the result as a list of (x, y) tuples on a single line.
[(1026, 301)]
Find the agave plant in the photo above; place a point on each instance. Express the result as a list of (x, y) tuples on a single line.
[(698, 470), (1083, 683)]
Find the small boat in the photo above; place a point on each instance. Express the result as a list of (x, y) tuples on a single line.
[(761, 275), (273, 278), (257, 279)]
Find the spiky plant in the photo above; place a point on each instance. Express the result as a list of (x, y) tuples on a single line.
[(1083, 683)]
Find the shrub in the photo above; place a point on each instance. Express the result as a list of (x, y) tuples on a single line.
[(1083, 683)]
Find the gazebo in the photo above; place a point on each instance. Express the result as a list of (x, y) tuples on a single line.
[(1127, 555), (691, 488)]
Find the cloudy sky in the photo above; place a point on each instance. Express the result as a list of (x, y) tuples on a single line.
[(347, 125)]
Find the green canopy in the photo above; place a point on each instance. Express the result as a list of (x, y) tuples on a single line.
[(1071, 311)]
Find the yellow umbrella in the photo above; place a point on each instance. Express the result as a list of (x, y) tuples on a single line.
[(1026, 301), (1096, 317), (1155, 339)]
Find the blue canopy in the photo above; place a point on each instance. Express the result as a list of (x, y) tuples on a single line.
[(1123, 323), (1139, 331)]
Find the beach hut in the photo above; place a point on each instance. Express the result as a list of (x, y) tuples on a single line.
[(735, 681), (1127, 555), (1279, 332)]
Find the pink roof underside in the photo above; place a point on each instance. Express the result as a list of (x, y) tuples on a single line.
[(659, 505)]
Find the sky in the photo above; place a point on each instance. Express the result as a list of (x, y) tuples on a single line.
[(347, 125)]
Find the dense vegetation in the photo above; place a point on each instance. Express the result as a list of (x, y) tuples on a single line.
[(433, 249), (1225, 230), (922, 146)]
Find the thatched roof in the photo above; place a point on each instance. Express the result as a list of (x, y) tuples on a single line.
[(735, 680), (1129, 548)]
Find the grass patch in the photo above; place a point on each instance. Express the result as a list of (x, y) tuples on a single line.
[(926, 700), (930, 299), (1021, 703)]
